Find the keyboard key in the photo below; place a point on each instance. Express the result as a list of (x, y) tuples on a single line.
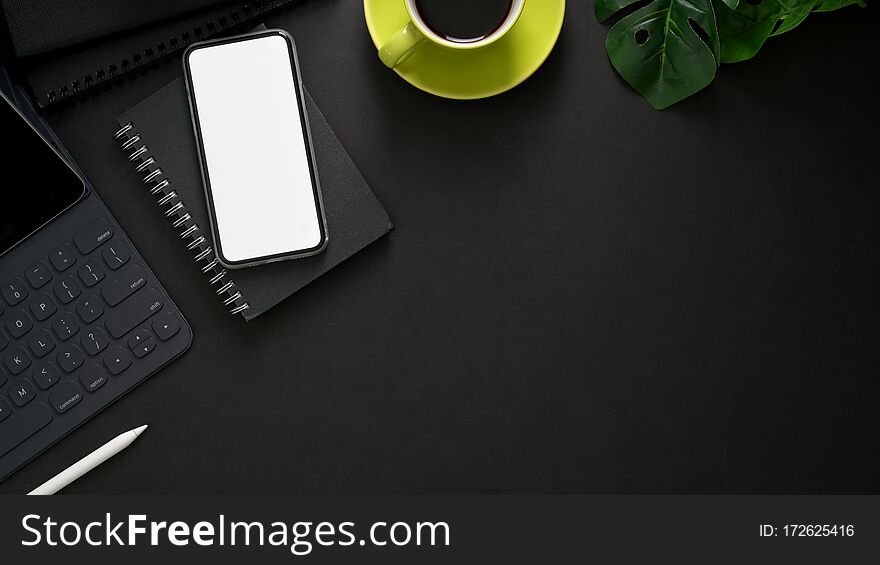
[(17, 360), (38, 275), (138, 337), (2, 378), (116, 255), (14, 291), (69, 358), (22, 425), (92, 273), (166, 325), (134, 310), (21, 391), (94, 341), (92, 377), (67, 289), (93, 236), (65, 396), (144, 349), (42, 343), (45, 374), (42, 306), (90, 309), (128, 281), (3, 341), (65, 326), (117, 360), (5, 410), (18, 323), (63, 257)]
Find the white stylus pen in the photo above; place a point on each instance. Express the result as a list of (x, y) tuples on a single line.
[(88, 462)]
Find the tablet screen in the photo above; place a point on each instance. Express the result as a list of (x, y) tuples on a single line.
[(37, 184)]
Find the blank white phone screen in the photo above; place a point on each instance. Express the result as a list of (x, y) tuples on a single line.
[(256, 160)]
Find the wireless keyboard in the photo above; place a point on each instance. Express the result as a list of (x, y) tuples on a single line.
[(82, 321)]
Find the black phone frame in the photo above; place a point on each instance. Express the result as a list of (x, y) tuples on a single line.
[(307, 135)]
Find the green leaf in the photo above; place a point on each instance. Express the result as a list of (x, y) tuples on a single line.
[(830, 5), (745, 30), (796, 13), (670, 49), (659, 52)]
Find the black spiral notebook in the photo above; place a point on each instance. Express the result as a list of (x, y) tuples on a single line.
[(156, 137), (69, 48)]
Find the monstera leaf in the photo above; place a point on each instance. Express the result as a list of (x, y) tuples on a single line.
[(744, 30), (670, 49), (796, 12), (829, 5), (666, 50)]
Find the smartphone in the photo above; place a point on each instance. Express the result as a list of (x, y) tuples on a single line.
[(255, 148)]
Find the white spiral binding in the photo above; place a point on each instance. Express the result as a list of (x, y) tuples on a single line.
[(189, 230)]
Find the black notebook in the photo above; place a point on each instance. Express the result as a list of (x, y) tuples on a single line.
[(68, 48), (156, 137)]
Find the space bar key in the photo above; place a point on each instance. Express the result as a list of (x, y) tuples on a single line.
[(23, 424), (127, 315)]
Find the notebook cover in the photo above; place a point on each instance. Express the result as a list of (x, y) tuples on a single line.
[(355, 218), (81, 63), (38, 26)]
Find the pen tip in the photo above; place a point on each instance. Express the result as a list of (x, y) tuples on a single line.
[(140, 430)]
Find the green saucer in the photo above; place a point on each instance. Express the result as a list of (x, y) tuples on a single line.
[(466, 75)]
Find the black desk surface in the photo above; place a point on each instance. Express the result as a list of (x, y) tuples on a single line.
[(582, 294)]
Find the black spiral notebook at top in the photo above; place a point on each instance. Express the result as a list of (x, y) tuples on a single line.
[(156, 137), (68, 48)]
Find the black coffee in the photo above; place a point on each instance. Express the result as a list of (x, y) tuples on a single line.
[(464, 21)]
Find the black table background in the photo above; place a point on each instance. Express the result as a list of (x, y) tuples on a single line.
[(582, 294)]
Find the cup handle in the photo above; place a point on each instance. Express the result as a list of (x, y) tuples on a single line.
[(400, 47)]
